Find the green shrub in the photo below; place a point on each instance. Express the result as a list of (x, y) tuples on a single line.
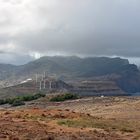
[(20, 100), (28, 98), (18, 103), (2, 101), (63, 97), (12, 100), (8, 101), (39, 95)]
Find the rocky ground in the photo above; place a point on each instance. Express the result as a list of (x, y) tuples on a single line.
[(107, 118)]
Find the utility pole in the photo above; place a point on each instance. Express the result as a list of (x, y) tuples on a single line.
[(44, 74), (42, 77), (50, 85), (44, 83), (40, 87), (36, 78)]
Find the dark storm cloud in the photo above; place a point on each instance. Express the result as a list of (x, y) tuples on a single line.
[(76, 27)]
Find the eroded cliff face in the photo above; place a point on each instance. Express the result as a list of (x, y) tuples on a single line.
[(98, 88), (129, 79)]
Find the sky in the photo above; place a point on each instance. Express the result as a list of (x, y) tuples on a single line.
[(30, 29)]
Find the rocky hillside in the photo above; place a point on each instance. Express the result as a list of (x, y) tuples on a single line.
[(126, 75)]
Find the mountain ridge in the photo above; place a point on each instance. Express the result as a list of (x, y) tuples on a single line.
[(126, 75)]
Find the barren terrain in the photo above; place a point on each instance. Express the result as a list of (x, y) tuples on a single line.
[(94, 118)]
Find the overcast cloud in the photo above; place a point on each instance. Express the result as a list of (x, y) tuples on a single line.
[(33, 28)]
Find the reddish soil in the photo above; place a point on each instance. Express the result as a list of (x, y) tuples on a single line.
[(31, 124), (39, 120)]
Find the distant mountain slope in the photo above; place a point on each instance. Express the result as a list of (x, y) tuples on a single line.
[(91, 66), (127, 76), (7, 70)]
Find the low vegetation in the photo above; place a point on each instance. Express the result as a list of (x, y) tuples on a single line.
[(63, 97), (20, 100), (100, 123), (18, 103)]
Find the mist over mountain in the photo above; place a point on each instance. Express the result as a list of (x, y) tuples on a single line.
[(126, 75), (31, 28)]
